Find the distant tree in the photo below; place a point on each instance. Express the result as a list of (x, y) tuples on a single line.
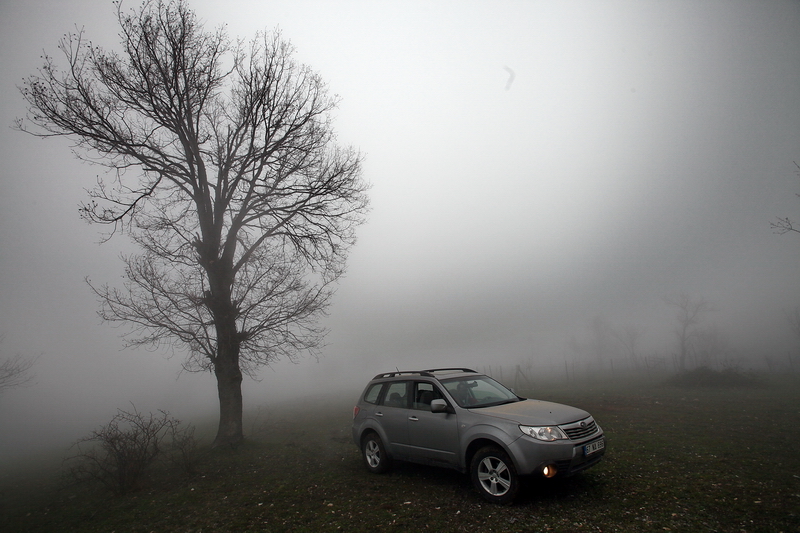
[(688, 317), (785, 224), (224, 169)]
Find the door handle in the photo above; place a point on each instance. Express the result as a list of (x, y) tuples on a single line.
[(378, 413), (414, 418)]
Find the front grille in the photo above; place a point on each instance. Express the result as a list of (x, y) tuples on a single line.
[(580, 430)]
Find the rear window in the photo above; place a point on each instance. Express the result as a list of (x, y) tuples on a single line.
[(373, 392)]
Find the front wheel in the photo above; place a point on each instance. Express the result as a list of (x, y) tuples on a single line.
[(374, 453), (494, 475)]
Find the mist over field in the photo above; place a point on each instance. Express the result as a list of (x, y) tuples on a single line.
[(545, 178)]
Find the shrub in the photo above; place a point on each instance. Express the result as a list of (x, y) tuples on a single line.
[(118, 453)]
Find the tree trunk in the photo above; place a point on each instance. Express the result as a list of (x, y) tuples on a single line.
[(226, 362), (229, 387), (228, 373)]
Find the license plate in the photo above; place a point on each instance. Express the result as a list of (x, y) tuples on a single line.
[(594, 447)]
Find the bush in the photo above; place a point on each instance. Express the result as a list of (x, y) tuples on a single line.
[(118, 454)]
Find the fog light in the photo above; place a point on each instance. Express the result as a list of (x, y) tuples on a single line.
[(549, 471)]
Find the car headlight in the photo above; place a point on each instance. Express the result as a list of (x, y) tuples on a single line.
[(545, 433)]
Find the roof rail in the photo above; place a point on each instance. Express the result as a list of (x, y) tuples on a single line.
[(401, 373), (427, 373), (431, 370)]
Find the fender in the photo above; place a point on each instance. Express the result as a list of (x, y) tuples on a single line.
[(371, 424), (489, 433)]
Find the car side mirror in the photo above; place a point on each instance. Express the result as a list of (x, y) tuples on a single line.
[(438, 406)]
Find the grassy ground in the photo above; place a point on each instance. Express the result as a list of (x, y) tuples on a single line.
[(678, 459)]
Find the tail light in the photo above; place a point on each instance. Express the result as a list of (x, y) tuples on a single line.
[(356, 409)]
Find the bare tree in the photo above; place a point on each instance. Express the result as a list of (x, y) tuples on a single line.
[(688, 316), (783, 225), (224, 169)]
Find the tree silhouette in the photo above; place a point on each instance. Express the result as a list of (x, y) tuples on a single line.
[(688, 315)]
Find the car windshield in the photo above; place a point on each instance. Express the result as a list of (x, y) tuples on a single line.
[(479, 391)]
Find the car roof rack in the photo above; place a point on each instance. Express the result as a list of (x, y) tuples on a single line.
[(432, 370), (427, 373)]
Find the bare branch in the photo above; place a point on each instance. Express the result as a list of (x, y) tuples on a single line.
[(15, 371)]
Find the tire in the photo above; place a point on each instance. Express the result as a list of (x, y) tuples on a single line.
[(494, 476), (374, 453)]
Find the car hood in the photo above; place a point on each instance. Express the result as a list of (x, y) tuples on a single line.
[(535, 413)]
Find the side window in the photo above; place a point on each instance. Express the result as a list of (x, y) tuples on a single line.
[(424, 394), (373, 393), (396, 394)]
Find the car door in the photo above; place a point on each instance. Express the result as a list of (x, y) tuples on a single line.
[(392, 415), (432, 437)]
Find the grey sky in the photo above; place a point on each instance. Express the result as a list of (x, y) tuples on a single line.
[(640, 152)]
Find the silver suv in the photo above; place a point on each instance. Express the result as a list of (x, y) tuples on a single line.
[(458, 418)]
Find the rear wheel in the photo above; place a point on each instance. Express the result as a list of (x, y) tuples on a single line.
[(374, 453), (494, 475)]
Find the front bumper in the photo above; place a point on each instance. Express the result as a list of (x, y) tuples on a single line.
[(568, 457)]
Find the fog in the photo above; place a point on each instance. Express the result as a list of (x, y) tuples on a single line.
[(540, 172)]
